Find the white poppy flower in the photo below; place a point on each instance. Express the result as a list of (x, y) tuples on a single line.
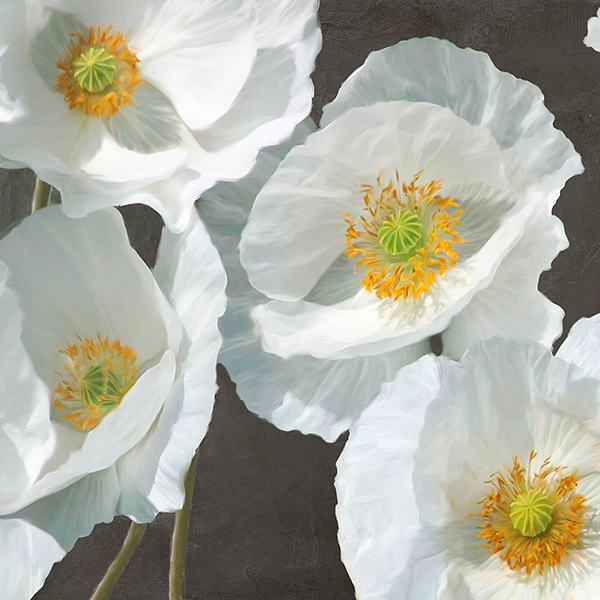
[(107, 380), (592, 39), (422, 207), (478, 479), (150, 101)]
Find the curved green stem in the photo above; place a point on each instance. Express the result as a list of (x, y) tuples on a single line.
[(41, 195), (134, 535), (179, 542)]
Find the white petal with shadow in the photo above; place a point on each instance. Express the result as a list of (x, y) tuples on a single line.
[(199, 55), (148, 124), (274, 99), (190, 273), (28, 554), (26, 435), (314, 396), (512, 305), (77, 299), (365, 325), (298, 218)]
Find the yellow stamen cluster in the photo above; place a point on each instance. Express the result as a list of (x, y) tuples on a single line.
[(94, 379), (99, 72), (532, 521), (405, 238)]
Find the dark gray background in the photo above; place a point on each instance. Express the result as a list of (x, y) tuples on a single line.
[(263, 523)]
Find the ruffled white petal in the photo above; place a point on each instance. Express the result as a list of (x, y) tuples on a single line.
[(26, 437), (592, 39), (503, 399), (377, 511), (314, 396), (298, 218), (582, 346), (189, 271), (28, 554), (512, 305), (323, 397), (199, 55), (467, 82)]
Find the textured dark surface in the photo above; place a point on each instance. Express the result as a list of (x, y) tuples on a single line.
[(263, 523)]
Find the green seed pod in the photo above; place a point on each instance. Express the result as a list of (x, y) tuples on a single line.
[(400, 232), (94, 70), (531, 513)]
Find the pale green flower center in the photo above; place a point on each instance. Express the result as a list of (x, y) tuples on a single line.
[(96, 375), (531, 513), (94, 70), (400, 232)]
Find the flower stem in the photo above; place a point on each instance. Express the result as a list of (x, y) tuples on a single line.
[(179, 542), (41, 195), (134, 535)]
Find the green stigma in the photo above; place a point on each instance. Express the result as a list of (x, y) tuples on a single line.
[(531, 513), (94, 70), (102, 387), (400, 233)]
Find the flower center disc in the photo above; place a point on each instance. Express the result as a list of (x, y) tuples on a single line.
[(400, 233), (405, 237), (94, 69), (531, 513), (532, 521), (94, 379)]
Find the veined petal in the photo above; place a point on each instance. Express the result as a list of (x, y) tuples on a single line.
[(190, 273), (28, 554), (283, 21), (512, 305), (298, 218), (199, 55), (467, 82), (377, 512), (582, 346), (592, 39), (323, 397)]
